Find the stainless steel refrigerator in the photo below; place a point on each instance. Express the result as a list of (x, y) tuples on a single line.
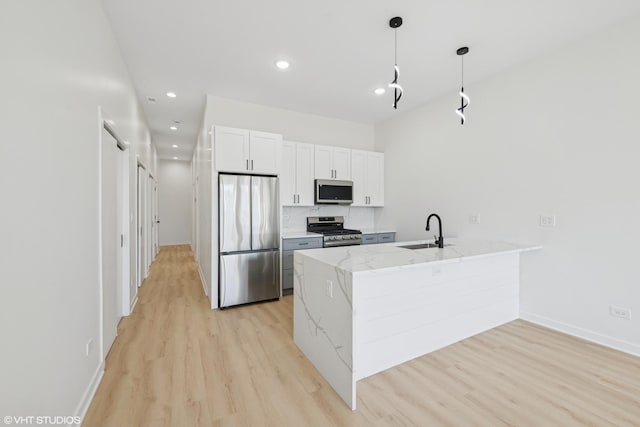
[(248, 239)]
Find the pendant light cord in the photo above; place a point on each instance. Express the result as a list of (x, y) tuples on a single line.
[(396, 47)]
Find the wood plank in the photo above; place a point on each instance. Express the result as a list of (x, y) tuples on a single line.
[(177, 363)]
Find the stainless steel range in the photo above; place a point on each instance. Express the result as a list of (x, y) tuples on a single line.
[(333, 231)]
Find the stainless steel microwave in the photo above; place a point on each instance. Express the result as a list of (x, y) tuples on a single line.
[(332, 191)]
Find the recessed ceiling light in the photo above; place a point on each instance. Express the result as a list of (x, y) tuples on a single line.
[(173, 128), (174, 146), (171, 94), (379, 91), (175, 158), (282, 64)]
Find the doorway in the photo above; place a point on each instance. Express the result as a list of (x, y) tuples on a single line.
[(114, 256)]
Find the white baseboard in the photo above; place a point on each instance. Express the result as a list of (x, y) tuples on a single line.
[(133, 304), (83, 406), (585, 334)]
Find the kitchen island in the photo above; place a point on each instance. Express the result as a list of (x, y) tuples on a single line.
[(359, 310)]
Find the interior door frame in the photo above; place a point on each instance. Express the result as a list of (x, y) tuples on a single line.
[(141, 255), (106, 124)]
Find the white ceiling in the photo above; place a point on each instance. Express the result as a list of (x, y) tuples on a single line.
[(339, 51)]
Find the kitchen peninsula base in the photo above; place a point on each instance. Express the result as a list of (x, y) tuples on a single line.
[(362, 309)]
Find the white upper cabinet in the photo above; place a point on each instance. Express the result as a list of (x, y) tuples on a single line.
[(367, 169), (332, 162), (296, 179), (241, 150), (264, 150), (305, 173), (231, 149), (288, 174)]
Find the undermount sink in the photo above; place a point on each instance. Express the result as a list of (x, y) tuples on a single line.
[(421, 246)]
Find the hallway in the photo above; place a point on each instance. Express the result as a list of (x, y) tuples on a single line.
[(177, 363)]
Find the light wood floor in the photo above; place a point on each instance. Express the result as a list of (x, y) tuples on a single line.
[(177, 363)]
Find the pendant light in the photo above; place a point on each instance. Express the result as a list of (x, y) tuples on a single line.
[(464, 99), (397, 89)]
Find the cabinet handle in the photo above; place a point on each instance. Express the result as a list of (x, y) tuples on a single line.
[(251, 164), (247, 164), (294, 199), (298, 199)]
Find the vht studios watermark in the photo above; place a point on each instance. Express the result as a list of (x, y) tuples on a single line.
[(42, 420)]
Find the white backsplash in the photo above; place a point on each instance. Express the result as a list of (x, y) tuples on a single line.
[(295, 218)]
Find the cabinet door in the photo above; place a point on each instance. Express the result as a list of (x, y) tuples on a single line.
[(342, 163), (323, 162), (304, 173), (369, 239), (264, 152), (231, 149), (288, 174), (359, 177), (375, 178)]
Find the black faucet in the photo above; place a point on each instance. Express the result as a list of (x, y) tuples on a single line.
[(439, 240)]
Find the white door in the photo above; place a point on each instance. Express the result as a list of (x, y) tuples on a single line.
[(140, 226), (305, 172), (231, 149), (359, 177), (323, 160), (111, 235), (264, 150), (155, 222), (149, 223), (341, 163)]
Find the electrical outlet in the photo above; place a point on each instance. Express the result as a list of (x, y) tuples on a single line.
[(622, 313), (329, 288), (547, 220), (474, 219), (89, 347)]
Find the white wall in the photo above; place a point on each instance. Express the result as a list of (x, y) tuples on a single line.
[(175, 201), (60, 62), (292, 125), (203, 232), (555, 136)]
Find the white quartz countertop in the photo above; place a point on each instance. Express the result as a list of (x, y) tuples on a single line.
[(389, 255), (298, 234)]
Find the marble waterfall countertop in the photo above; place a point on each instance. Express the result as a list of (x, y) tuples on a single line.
[(365, 258)]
